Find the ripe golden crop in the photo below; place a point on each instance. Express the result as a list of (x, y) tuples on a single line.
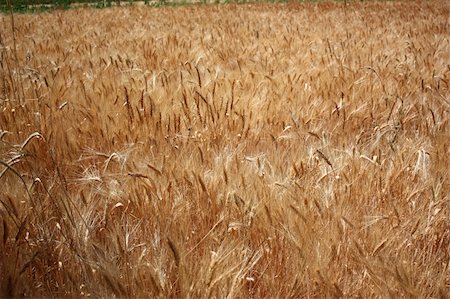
[(239, 151)]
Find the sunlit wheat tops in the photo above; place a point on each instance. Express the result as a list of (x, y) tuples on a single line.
[(226, 151)]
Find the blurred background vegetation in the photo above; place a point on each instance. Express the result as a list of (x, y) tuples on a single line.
[(36, 5), (42, 5)]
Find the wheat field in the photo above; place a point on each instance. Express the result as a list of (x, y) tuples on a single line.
[(226, 151)]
